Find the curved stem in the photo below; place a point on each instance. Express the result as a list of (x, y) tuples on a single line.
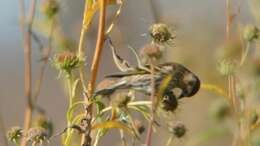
[(245, 53), (86, 139), (27, 62)]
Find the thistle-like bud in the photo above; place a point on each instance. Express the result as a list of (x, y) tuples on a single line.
[(160, 33), (251, 33), (66, 62), (227, 67), (253, 117), (121, 100), (14, 134), (151, 51), (220, 109), (42, 121), (36, 135), (179, 130), (50, 8)]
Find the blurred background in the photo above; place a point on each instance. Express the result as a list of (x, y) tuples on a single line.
[(200, 30)]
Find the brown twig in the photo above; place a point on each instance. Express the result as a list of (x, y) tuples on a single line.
[(46, 54), (228, 20), (27, 62), (86, 139), (150, 127)]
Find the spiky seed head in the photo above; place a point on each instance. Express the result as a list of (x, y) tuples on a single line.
[(50, 8), (251, 33), (160, 33), (36, 135), (121, 100), (67, 61), (43, 122), (14, 134), (179, 130), (220, 109)]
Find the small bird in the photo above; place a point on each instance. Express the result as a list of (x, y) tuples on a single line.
[(183, 82)]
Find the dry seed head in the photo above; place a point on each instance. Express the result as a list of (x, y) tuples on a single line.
[(151, 51), (251, 33), (36, 135), (160, 33), (14, 134), (179, 130), (43, 122), (50, 8), (67, 61), (220, 109), (121, 100), (227, 67)]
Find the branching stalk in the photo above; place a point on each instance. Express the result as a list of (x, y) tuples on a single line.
[(27, 62), (86, 139)]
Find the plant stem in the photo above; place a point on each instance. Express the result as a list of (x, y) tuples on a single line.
[(228, 20), (169, 142), (27, 62), (86, 139), (81, 46), (46, 54), (150, 128)]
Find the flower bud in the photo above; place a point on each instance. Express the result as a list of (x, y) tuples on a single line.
[(251, 33)]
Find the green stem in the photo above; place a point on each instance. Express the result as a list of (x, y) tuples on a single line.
[(169, 142), (245, 53), (69, 131)]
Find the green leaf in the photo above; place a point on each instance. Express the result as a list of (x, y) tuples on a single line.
[(72, 109), (113, 124)]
